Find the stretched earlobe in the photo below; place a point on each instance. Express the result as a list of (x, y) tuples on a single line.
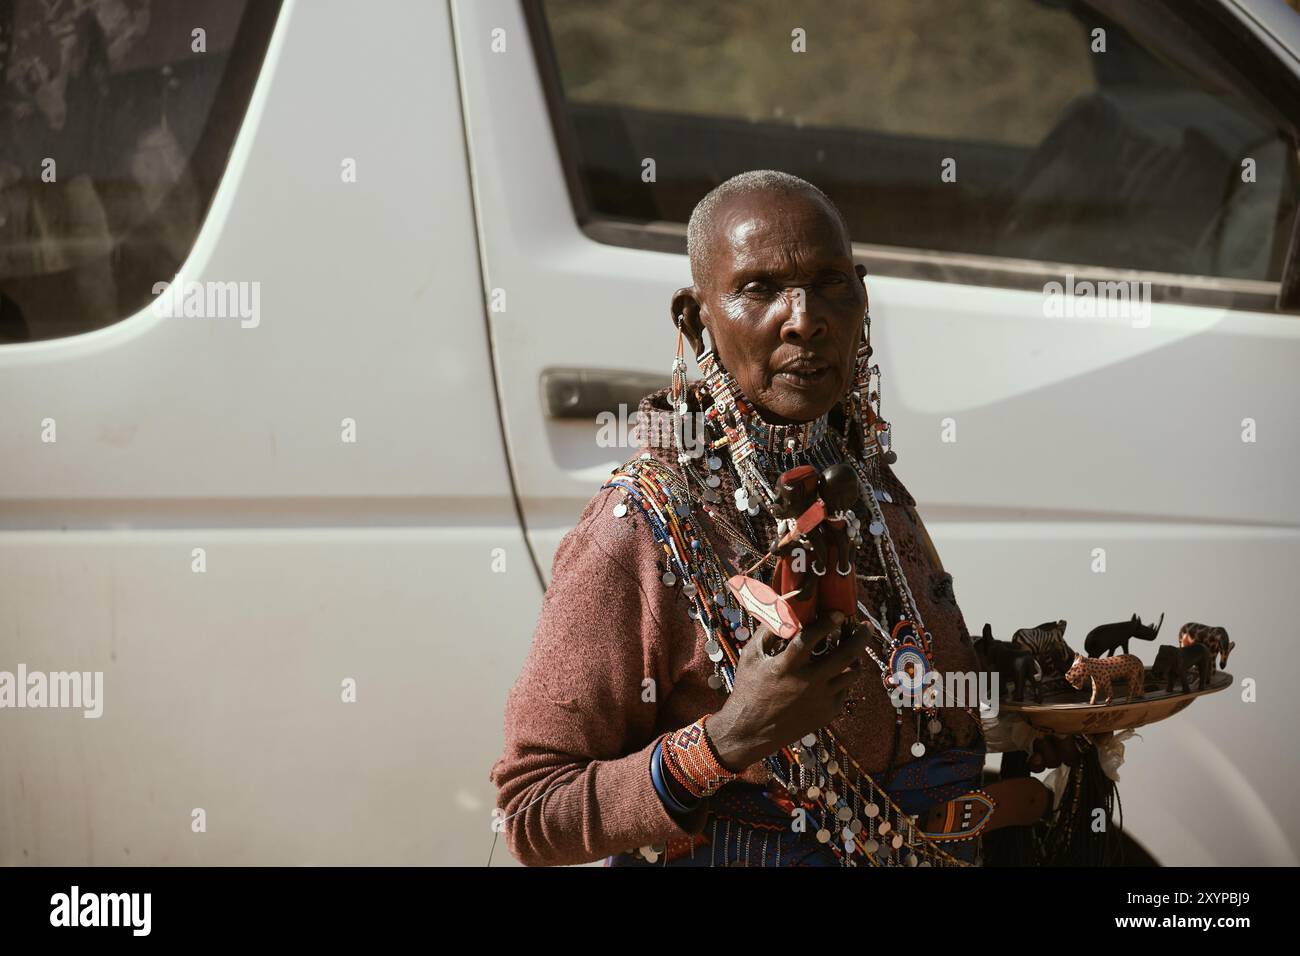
[(695, 338), (704, 344)]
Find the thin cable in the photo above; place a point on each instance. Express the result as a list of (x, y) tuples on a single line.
[(496, 833)]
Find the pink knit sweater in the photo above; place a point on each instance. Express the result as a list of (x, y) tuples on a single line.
[(615, 661)]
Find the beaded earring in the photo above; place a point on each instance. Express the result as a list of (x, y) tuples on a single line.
[(678, 390), (687, 426), (872, 436)]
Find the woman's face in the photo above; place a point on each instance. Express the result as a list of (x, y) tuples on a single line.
[(783, 303)]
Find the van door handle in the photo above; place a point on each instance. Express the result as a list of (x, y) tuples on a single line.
[(583, 393)]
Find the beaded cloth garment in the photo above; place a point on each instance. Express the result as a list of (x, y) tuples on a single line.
[(748, 810)]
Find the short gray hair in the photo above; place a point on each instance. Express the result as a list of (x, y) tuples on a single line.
[(703, 221)]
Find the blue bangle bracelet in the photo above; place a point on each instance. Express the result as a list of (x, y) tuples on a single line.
[(657, 778)]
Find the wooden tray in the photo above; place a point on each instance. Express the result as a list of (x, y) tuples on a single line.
[(1067, 712)]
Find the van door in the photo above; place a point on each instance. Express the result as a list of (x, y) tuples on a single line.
[(1078, 454), (271, 512)]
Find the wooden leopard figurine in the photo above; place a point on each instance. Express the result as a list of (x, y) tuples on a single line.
[(1103, 671)]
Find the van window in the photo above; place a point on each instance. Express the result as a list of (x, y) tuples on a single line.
[(1130, 148), (116, 121)]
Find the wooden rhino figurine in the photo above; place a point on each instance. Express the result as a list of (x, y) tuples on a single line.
[(1105, 638)]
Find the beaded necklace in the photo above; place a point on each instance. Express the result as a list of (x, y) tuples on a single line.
[(755, 449), (853, 813), (850, 810)]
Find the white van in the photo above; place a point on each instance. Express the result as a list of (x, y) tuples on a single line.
[(307, 310)]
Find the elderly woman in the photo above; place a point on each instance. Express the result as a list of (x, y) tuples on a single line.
[(659, 718)]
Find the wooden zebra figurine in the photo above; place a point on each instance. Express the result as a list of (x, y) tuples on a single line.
[(1214, 638), (1047, 643)]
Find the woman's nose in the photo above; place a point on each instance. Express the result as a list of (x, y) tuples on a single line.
[(799, 322)]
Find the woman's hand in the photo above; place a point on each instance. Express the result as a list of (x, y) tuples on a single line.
[(1050, 751), (779, 698)]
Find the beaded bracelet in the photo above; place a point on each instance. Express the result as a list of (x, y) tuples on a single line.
[(661, 786), (693, 761)]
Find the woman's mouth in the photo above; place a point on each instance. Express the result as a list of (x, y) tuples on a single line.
[(804, 376)]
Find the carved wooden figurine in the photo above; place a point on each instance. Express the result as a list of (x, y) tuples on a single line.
[(1215, 640), (1047, 643), (1175, 662), (1107, 637), (1010, 664), (825, 579), (1104, 672), (816, 570)]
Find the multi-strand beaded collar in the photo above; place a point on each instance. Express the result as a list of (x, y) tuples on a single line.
[(850, 810)]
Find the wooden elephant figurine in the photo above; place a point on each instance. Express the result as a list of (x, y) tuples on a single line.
[(1011, 664), (1175, 662)]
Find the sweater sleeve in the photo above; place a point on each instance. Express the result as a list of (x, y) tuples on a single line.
[(581, 721)]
